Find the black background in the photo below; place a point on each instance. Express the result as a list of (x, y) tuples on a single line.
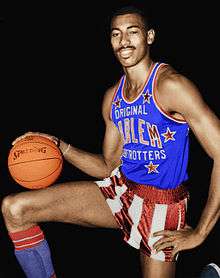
[(56, 65)]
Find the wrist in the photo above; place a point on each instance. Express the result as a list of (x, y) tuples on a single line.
[(64, 147), (202, 234)]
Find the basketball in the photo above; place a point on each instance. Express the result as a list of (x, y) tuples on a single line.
[(35, 162)]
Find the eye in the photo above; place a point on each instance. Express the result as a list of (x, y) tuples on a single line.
[(133, 32), (115, 34)]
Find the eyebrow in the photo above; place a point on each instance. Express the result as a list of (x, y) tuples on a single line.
[(132, 26)]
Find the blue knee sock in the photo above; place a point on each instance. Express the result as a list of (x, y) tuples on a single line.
[(33, 253)]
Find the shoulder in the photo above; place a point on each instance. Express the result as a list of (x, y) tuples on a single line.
[(108, 98), (170, 80), (174, 90), (109, 93)]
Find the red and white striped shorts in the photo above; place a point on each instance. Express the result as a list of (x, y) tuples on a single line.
[(141, 210)]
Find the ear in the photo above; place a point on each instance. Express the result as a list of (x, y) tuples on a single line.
[(150, 36)]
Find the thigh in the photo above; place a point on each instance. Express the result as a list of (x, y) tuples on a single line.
[(152, 268), (73, 202)]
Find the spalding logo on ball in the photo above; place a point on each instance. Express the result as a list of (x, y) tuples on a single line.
[(35, 162)]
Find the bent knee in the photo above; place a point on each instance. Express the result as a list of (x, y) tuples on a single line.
[(13, 207)]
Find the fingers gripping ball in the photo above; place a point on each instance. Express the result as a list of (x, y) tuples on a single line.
[(35, 162)]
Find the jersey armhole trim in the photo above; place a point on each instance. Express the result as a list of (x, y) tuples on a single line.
[(157, 104), (115, 93)]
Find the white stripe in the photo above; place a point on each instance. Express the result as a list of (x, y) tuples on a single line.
[(116, 173), (176, 256), (135, 211), (179, 219), (26, 238), (104, 183), (107, 181), (116, 204), (158, 224), (145, 85), (28, 244), (215, 267)]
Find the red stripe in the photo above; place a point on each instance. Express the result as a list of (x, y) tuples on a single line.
[(172, 217), (28, 238), (174, 212), (152, 66), (26, 247), (27, 233), (145, 225), (115, 93), (123, 217), (157, 102)]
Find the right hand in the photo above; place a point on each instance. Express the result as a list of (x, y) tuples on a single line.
[(30, 133)]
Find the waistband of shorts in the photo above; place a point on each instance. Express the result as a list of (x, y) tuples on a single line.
[(154, 194)]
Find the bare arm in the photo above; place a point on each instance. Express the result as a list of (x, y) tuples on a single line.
[(183, 98), (98, 165)]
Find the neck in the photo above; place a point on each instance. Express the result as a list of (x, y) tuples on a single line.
[(136, 76)]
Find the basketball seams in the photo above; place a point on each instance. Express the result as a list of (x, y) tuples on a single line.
[(44, 143), (34, 160), (35, 163), (57, 150), (39, 179)]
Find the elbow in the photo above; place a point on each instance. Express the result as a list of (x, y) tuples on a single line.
[(107, 172)]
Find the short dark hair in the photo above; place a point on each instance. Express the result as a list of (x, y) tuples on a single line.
[(130, 9)]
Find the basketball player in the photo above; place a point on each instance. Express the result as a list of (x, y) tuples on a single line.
[(141, 173)]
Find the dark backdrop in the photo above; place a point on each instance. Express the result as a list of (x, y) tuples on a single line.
[(56, 65)]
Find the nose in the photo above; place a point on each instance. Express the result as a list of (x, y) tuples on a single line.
[(125, 40)]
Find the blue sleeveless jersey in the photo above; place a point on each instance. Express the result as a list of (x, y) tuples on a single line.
[(155, 150)]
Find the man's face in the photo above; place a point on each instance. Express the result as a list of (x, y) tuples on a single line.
[(129, 39)]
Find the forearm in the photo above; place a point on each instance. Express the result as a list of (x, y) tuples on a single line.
[(91, 164), (211, 212)]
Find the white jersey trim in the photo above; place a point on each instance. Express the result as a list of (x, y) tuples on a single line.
[(156, 102)]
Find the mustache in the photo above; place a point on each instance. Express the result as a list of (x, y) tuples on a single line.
[(127, 47)]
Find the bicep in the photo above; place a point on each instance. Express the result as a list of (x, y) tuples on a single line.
[(201, 119), (182, 96), (112, 145), (113, 141)]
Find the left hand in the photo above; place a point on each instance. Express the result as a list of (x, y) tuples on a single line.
[(182, 239), (30, 133)]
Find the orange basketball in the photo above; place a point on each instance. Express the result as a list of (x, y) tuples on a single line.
[(35, 162)]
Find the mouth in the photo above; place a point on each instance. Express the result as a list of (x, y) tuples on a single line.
[(126, 52)]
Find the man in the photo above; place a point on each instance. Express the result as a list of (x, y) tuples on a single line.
[(142, 170)]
